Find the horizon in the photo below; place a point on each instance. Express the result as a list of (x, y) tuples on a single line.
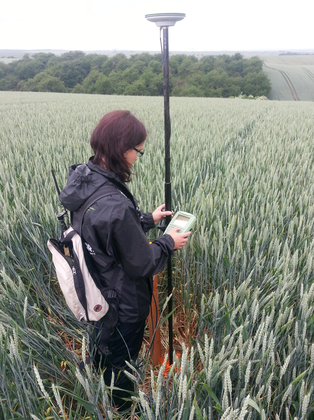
[(57, 51)]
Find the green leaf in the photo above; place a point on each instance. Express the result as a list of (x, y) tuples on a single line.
[(227, 318), (283, 327), (186, 411), (87, 405), (198, 412), (244, 332), (227, 261), (298, 378), (2, 255), (253, 404), (212, 394), (164, 319)]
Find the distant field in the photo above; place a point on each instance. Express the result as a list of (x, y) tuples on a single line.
[(6, 60), (291, 76)]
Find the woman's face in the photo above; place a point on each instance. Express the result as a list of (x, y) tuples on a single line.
[(131, 155)]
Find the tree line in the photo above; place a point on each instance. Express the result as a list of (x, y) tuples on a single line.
[(140, 74)]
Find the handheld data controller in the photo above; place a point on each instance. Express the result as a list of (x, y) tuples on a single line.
[(184, 221)]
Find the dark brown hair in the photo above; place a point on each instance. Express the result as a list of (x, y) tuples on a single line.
[(116, 133)]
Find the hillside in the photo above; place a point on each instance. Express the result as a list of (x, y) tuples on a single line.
[(291, 77)]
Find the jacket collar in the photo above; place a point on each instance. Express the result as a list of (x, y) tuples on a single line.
[(104, 172)]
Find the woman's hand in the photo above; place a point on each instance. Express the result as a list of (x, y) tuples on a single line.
[(180, 239), (159, 214)]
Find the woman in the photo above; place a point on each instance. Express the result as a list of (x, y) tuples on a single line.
[(114, 233)]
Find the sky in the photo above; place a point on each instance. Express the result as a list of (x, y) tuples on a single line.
[(223, 25)]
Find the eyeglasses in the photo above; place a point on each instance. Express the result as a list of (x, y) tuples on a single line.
[(140, 152)]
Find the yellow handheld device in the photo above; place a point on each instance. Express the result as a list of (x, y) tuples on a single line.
[(183, 220)]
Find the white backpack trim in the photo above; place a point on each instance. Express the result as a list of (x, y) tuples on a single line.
[(67, 272)]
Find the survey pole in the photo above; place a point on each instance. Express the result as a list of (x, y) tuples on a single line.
[(167, 125), (163, 21)]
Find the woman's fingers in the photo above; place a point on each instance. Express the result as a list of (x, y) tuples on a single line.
[(180, 239), (160, 213)]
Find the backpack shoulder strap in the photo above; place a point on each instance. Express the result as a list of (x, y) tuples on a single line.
[(103, 191), (124, 190)]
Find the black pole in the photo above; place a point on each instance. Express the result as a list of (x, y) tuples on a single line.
[(167, 123)]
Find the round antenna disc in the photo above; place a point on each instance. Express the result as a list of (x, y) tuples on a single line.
[(165, 19)]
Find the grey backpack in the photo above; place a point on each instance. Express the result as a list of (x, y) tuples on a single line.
[(86, 297)]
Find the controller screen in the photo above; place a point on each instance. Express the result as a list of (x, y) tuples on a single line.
[(180, 221)]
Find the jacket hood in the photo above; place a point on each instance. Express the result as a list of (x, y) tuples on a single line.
[(82, 181)]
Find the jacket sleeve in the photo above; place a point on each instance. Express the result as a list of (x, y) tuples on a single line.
[(147, 221), (137, 257)]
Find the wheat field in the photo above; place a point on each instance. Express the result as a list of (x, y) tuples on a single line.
[(244, 285)]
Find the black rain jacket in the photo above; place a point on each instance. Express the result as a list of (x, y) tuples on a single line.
[(115, 236)]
